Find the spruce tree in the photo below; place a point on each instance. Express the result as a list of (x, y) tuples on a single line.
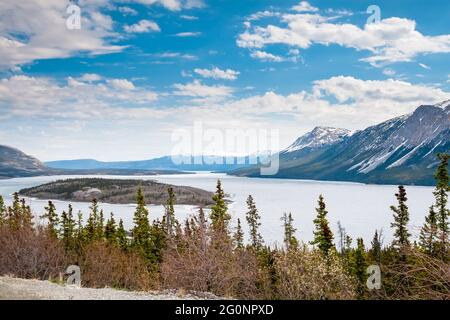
[(323, 237), (376, 247), (441, 196), (52, 219), (2, 211), (122, 239), (14, 213), (253, 219), (158, 238), (27, 216), (219, 211), (239, 235), (80, 233), (67, 231), (428, 239), (111, 230), (169, 219), (401, 219), (92, 230), (360, 267), (290, 241), (141, 230)]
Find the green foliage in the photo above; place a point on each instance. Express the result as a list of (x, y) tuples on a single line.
[(441, 196), (219, 211), (239, 235), (429, 233), (122, 239), (253, 220), (52, 219), (2, 211), (375, 251), (290, 241), (359, 267), (401, 219), (140, 233), (169, 221), (67, 231), (111, 230), (323, 237)]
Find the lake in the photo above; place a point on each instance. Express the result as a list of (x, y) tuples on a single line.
[(359, 207)]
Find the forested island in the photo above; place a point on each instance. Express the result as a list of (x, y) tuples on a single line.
[(116, 191)]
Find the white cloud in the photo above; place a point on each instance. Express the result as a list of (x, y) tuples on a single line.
[(188, 34), (122, 84), (127, 11), (304, 6), (262, 14), (172, 55), (78, 99), (388, 72), (391, 40), (174, 5), (217, 73), (199, 90), (90, 77), (32, 30), (424, 66), (142, 27), (265, 56), (188, 17)]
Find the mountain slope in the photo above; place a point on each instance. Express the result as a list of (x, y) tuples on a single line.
[(15, 163), (400, 150)]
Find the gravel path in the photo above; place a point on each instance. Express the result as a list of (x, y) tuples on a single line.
[(25, 289)]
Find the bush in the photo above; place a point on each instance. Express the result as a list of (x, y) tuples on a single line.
[(28, 253), (308, 275), (104, 265)]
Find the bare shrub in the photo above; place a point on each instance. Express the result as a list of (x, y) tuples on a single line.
[(103, 265), (28, 253), (308, 275), (211, 267), (419, 277)]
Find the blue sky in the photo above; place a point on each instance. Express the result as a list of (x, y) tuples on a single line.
[(137, 70)]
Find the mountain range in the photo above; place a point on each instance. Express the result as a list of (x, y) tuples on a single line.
[(401, 150)]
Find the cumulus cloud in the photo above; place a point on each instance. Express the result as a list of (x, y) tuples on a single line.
[(142, 27), (173, 5), (266, 56), (33, 30), (24, 96), (217, 73), (390, 40), (199, 90), (304, 6), (122, 84)]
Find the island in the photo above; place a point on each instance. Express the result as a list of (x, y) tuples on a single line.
[(117, 191)]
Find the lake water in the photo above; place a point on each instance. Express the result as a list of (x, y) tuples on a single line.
[(360, 208)]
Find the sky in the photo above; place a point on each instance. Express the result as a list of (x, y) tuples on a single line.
[(128, 76)]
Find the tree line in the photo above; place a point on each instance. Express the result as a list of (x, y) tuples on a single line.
[(206, 254)]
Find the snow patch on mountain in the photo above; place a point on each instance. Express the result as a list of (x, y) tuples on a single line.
[(318, 137)]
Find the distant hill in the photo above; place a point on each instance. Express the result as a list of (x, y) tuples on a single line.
[(197, 163), (401, 150), (15, 163)]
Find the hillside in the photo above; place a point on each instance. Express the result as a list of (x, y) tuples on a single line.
[(15, 163), (116, 191)]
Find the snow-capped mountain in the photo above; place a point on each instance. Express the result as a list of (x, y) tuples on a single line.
[(318, 137), (401, 150)]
